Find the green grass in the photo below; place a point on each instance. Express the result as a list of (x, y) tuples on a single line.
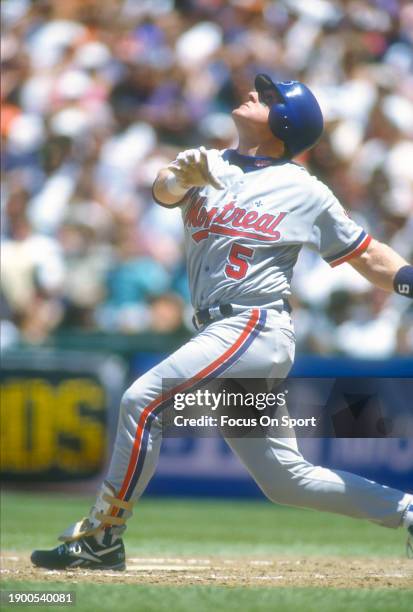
[(219, 599), (206, 527), (202, 527)]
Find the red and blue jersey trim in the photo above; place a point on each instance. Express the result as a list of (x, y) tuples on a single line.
[(356, 248), (253, 327)]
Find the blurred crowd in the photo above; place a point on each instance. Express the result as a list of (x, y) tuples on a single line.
[(97, 96)]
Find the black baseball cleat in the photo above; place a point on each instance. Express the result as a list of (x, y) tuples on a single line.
[(409, 545), (84, 553)]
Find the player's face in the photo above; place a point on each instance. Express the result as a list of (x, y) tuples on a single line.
[(252, 111)]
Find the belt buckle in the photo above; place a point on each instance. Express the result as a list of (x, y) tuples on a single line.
[(214, 312)]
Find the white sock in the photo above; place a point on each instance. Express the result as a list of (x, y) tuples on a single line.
[(408, 516)]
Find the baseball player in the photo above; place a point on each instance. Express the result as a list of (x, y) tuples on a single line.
[(247, 213)]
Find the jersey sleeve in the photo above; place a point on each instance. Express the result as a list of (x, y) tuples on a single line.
[(335, 235)]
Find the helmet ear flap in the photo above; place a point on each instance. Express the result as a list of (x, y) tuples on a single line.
[(279, 123)]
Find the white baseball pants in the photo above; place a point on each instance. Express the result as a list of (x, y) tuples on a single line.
[(257, 343)]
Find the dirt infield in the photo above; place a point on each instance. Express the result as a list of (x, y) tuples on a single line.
[(339, 572)]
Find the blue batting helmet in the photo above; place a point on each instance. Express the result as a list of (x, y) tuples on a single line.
[(295, 115)]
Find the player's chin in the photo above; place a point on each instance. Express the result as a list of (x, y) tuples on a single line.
[(240, 114), (239, 111)]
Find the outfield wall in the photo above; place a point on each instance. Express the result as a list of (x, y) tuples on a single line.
[(59, 416)]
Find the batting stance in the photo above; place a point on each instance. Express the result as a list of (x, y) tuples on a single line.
[(247, 213)]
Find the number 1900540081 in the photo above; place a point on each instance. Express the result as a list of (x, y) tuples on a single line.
[(38, 597)]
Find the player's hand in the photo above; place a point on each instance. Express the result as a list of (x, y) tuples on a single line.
[(192, 169)]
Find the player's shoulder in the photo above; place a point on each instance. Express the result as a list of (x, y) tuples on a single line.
[(302, 186), (292, 169), (318, 190), (300, 172), (299, 175)]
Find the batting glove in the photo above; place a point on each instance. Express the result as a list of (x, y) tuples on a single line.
[(192, 169)]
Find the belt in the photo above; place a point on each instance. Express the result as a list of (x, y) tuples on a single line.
[(204, 316)]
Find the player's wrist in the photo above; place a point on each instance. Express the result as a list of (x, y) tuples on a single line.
[(174, 186), (403, 281)]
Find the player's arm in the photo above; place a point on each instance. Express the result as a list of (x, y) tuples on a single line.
[(192, 168), (385, 268)]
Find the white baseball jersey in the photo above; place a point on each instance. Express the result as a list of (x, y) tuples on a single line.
[(242, 242)]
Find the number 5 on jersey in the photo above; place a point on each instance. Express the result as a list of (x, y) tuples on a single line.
[(238, 261)]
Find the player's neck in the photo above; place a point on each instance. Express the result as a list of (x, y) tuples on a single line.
[(273, 149)]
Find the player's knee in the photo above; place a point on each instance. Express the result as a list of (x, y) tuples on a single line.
[(130, 401), (138, 396)]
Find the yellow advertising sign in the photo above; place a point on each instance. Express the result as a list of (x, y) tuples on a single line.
[(52, 427)]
